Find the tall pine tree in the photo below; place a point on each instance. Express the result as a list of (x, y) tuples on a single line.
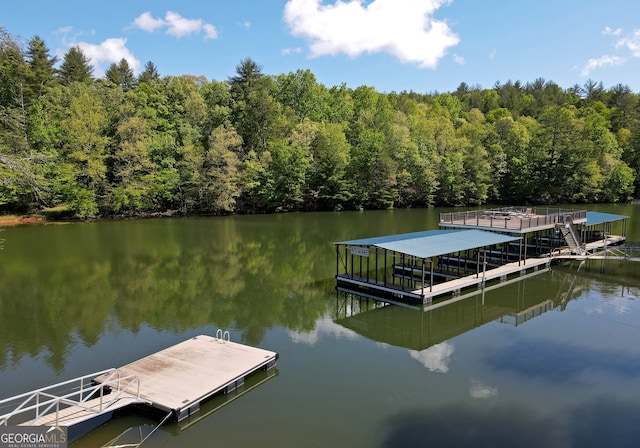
[(41, 67), (75, 67)]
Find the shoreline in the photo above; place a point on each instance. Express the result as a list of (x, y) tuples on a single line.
[(19, 220)]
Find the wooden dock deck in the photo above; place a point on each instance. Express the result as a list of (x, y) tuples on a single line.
[(177, 379)]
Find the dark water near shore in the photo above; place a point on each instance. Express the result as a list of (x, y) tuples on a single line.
[(552, 360)]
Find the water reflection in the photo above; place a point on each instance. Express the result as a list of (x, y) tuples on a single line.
[(595, 423), (425, 331), (63, 285)]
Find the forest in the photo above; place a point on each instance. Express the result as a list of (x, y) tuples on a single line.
[(79, 146)]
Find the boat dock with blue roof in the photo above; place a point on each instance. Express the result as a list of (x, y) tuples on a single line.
[(469, 249)]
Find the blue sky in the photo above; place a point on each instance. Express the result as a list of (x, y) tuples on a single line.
[(392, 45)]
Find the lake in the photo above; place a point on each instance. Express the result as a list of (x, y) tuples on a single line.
[(552, 360)]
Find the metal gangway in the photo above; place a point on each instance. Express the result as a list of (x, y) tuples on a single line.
[(621, 253), (71, 402)]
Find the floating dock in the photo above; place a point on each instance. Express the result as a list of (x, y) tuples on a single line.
[(175, 380)]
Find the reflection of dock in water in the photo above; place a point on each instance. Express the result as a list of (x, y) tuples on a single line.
[(420, 327)]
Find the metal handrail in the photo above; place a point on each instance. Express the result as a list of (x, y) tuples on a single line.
[(517, 218), (114, 380)]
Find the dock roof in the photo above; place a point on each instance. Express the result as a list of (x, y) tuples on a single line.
[(432, 243), (595, 218)]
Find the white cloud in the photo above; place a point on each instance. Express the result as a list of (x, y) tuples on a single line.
[(210, 31), (147, 23), (63, 30), (631, 42), (458, 59), (288, 51), (611, 32), (179, 26), (436, 358), (627, 44), (480, 390), (405, 29), (604, 61), (109, 51), (175, 25), (493, 53)]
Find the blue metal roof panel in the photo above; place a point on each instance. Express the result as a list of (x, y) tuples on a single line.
[(595, 218), (445, 243), (391, 238)]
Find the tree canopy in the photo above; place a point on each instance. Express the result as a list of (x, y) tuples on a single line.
[(128, 144)]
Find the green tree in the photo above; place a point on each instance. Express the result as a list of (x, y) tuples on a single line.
[(514, 138), (288, 170), (121, 74), (254, 110), (23, 184), (130, 166), (41, 67), (75, 67), (149, 74), (329, 185), (301, 92), (84, 147)]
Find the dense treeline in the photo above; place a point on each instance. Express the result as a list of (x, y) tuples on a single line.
[(127, 145)]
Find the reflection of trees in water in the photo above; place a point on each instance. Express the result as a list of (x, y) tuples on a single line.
[(172, 275)]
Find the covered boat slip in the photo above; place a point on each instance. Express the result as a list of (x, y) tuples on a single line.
[(418, 266), (474, 247), (601, 227)]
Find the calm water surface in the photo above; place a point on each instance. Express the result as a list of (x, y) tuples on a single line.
[(552, 360)]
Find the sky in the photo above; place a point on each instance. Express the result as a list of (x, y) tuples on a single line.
[(424, 46)]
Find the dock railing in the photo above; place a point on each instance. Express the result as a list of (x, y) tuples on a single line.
[(513, 218), (79, 392)]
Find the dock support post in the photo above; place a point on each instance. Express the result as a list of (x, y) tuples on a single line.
[(376, 263), (423, 278), (352, 268), (431, 282), (385, 267), (519, 252)]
